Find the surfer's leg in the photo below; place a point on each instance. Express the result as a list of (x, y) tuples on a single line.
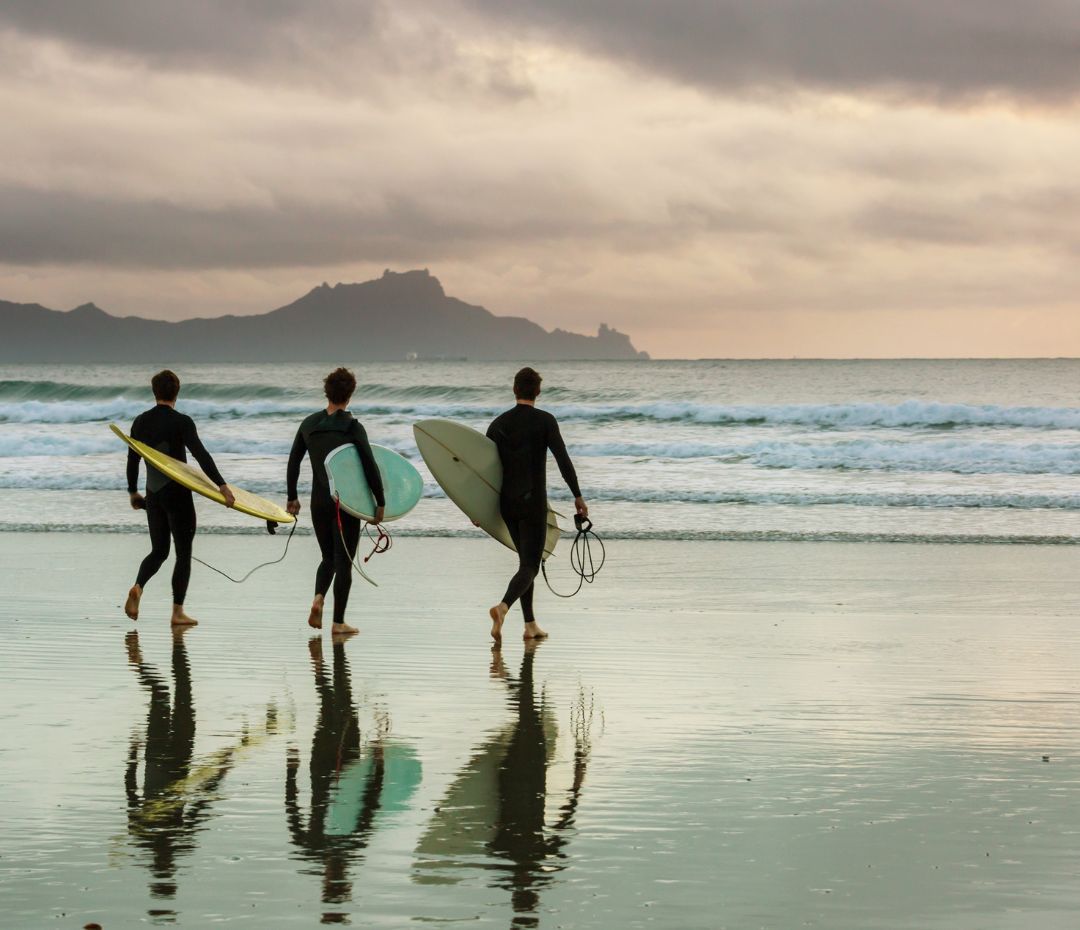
[(533, 535), (324, 520), (344, 551), (528, 535), (157, 521), (182, 524)]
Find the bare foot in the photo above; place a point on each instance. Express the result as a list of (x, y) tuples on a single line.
[(179, 618), (498, 615), (131, 605), (339, 632), (314, 618), (532, 631)]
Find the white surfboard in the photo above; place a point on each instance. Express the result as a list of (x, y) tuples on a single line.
[(466, 465)]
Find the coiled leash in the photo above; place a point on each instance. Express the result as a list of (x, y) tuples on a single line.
[(581, 557), (382, 543), (271, 528)]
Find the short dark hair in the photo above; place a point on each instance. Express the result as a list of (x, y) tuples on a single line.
[(165, 385), (339, 385), (527, 384)]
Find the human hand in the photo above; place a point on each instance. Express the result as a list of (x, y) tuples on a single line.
[(293, 507), (138, 502), (227, 493), (581, 507), (377, 517), (476, 523)]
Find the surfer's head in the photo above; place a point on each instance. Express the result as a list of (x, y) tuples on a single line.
[(165, 386), (527, 384), (339, 385)]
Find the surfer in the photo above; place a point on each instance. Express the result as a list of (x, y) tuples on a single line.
[(523, 436), (170, 510), (338, 532)]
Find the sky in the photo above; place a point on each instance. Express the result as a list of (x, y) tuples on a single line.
[(765, 178)]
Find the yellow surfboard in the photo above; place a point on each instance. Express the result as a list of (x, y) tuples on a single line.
[(194, 480)]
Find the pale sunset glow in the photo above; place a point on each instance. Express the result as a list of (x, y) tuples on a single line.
[(717, 180)]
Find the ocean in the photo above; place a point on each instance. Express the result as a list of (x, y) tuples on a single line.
[(896, 450), (822, 728)]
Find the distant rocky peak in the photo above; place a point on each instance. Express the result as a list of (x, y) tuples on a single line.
[(417, 283), (88, 309)]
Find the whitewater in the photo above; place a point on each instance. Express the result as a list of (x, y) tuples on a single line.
[(904, 450)]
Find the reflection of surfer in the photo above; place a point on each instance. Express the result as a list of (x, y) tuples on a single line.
[(338, 532), (162, 820), (169, 507), (343, 806), (523, 436), (497, 804), (520, 837)]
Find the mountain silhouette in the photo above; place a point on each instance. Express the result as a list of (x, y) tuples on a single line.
[(398, 316)]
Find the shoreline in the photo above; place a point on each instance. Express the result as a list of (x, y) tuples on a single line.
[(733, 536)]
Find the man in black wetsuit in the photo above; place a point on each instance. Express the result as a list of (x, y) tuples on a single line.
[(318, 436), (523, 436), (169, 507)]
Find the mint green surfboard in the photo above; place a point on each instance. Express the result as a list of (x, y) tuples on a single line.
[(402, 774), (402, 484)]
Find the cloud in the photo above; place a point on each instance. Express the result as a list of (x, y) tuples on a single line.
[(554, 161), (343, 47), (952, 52)]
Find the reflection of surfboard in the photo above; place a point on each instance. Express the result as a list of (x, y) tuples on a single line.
[(194, 480), (466, 465), (402, 484), (461, 828), (401, 777)]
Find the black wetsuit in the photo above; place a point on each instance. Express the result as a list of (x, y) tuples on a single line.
[(318, 436), (170, 509), (523, 436)]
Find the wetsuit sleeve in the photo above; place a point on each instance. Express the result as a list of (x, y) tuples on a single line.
[(367, 460), (133, 461), (292, 472), (562, 458), (197, 449)]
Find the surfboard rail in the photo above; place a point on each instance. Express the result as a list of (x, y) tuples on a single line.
[(466, 465), (193, 479)]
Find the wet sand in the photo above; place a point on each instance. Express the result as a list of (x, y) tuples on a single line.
[(716, 735)]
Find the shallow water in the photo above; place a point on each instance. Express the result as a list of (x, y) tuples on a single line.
[(717, 735)]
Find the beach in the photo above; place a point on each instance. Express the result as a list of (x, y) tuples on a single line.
[(717, 734)]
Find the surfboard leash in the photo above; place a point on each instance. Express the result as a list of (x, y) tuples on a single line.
[(271, 528), (352, 555), (384, 542), (581, 556)]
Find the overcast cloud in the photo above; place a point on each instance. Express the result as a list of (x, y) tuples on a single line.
[(775, 177)]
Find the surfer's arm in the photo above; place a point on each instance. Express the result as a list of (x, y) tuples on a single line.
[(206, 460), (133, 458), (292, 471), (198, 450), (133, 472), (562, 458), (367, 460)]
